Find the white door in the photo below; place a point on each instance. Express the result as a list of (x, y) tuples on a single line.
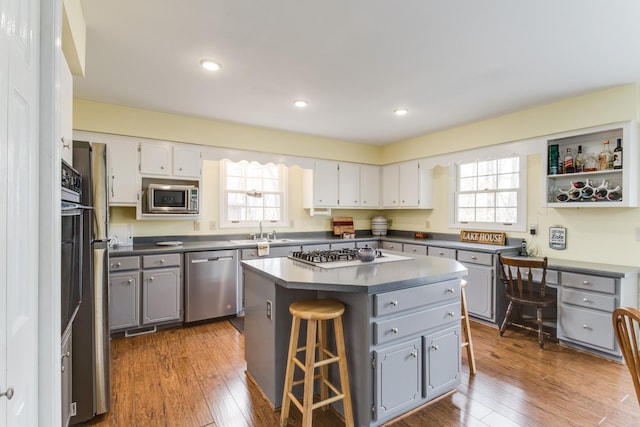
[(19, 115)]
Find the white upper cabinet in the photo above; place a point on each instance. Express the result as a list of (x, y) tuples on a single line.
[(325, 184), (594, 184), (334, 184), (124, 182), (369, 186), (407, 185), (155, 158), (187, 161), (349, 185), (170, 159)]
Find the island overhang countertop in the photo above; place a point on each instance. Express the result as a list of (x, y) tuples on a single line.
[(404, 271)]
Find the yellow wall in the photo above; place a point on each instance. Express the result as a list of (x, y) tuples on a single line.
[(598, 235)]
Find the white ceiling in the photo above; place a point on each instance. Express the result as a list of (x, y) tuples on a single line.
[(449, 62)]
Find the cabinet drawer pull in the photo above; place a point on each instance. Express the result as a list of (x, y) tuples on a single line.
[(451, 291), (435, 347), (441, 253), (161, 261), (585, 282), (415, 250), (394, 303), (585, 327), (451, 314), (117, 265), (474, 258), (394, 330), (586, 300)]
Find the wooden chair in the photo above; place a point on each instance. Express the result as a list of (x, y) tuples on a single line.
[(626, 321), (522, 290)]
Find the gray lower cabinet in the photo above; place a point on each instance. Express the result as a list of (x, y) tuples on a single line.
[(398, 377), (145, 291), (65, 377), (480, 291), (585, 305), (443, 366)]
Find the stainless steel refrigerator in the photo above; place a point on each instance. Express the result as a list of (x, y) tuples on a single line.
[(91, 359)]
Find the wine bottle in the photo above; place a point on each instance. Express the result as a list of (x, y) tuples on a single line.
[(568, 162), (617, 155), (604, 158), (579, 160)]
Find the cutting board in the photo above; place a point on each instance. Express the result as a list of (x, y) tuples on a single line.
[(342, 224)]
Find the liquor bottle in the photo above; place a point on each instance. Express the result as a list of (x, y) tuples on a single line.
[(579, 160), (604, 158), (617, 155), (568, 162)]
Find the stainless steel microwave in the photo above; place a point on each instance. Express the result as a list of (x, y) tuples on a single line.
[(172, 199)]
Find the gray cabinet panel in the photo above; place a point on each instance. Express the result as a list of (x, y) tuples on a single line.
[(406, 299), (591, 327), (398, 377), (589, 300), (161, 295), (475, 257), (588, 282), (124, 302), (392, 246), (442, 252), (415, 249), (160, 261), (442, 359), (124, 263), (410, 324), (480, 291)]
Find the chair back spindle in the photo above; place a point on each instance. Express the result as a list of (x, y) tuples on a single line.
[(626, 323)]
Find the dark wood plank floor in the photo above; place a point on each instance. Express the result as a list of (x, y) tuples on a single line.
[(195, 377)]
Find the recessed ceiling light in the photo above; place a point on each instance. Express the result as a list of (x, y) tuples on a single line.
[(300, 103), (401, 112), (210, 65)]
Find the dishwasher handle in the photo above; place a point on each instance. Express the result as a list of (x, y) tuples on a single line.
[(222, 258)]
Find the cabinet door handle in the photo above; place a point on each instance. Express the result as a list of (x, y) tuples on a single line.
[(394, 303), (8, 393), (162, 167), (130, 281), (151, 278), (64, 144), (414, 354), (394, 330), (435, 347)]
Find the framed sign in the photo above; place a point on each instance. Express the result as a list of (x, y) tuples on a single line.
[(487, 237), (557, 237)]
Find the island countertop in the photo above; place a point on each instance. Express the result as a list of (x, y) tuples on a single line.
[(407, 271)]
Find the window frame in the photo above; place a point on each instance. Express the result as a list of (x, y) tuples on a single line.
[(225, 222), (520, 225)]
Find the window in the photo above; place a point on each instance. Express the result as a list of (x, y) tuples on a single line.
[(490, 194), (252, 192)]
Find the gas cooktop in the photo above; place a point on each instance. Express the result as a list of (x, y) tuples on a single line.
[(320, 256)]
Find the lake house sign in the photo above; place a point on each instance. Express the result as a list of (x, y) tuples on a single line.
[(487, 237)]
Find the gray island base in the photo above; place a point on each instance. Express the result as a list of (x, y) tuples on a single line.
[(402, 328)]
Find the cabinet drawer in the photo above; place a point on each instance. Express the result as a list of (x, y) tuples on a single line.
[(589, 300), (406, 299), (392, 246), (164, 260), (410, 324), (592, 283), (475, 257), (415, 249), (588, 326), (442, 252), (124, 263)]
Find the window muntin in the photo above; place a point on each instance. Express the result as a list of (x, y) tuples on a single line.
[(490, 194), (252, 192)]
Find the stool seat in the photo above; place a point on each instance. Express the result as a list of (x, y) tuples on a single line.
[(316, 309), (316, 312)]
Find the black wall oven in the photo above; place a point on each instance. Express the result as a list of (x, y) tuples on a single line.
[(71, 245)]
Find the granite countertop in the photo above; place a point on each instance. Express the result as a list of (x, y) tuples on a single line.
[(592, 268), (371, 278), (453, 244)]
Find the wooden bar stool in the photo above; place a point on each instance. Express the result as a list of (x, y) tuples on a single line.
[(466, 330), (316, 313)]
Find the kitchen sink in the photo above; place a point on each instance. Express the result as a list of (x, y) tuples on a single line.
[(256, 241)]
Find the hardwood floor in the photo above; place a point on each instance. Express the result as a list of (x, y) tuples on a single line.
[(194, 377)]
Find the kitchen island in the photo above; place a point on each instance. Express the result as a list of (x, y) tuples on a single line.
[(402, 327)]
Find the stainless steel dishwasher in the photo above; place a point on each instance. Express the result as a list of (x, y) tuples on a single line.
[(211, 284)]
